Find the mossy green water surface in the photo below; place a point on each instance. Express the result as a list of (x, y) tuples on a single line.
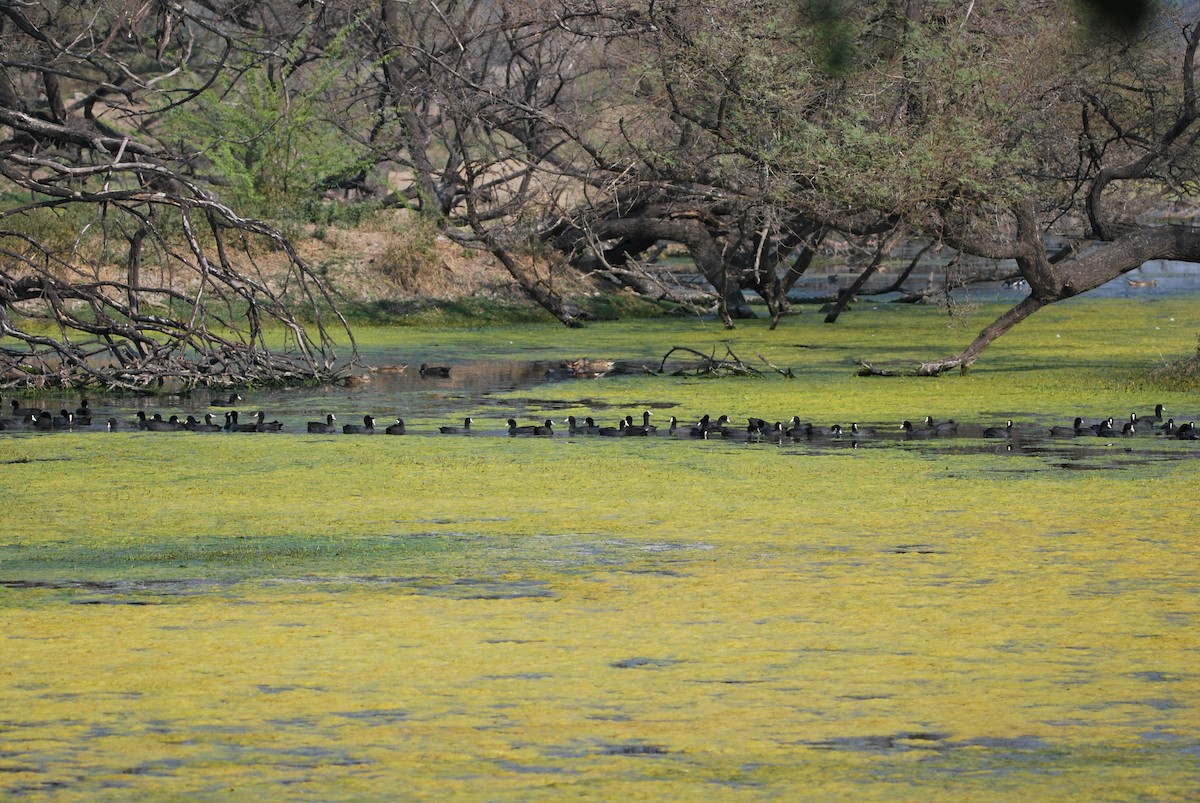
[(491, 617)]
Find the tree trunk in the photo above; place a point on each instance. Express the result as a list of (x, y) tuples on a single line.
[(1070, 277), (965, 358), (567, 313), (692, 234), (844, 298)]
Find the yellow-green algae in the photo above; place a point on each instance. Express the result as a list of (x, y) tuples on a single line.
[(426, 617)]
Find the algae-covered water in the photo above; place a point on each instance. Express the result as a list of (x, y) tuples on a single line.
[(304, 616)]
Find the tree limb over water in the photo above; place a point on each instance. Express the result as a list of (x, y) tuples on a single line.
[(118, 268)]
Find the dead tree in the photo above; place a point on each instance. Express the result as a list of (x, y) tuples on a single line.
[(118, 268)]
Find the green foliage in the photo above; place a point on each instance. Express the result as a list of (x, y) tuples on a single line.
[(835, 36), (342, 214), (267, 141)]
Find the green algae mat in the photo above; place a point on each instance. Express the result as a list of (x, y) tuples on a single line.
[(432, 617)]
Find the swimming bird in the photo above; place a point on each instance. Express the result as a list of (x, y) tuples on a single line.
[(232, 424), (20, 412), (861, 432), (755, 426), (206, 425), (396, 428), (576, 428), (917, 434), (546, 428), (465, 429), (232, 400), (434, 370), (797, 428), (84, 410), (635, 430), (999, 432), (1105, 429), (262, 425), (612, 432), (949, 427), (721, 426), (772, 432), (1068, 432), (367, 427), (834, 431), (1157, 416), (326, 427), (157, 424), (700, 429)]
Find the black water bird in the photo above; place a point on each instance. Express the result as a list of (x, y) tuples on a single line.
[(263, 425), (396, 428), (861, 432), (546, 428), (797, 428), (233, 399), (465, 429), (84, 410), (157, 424), (999, 432), (757, 425), (207, 425), (917, 433), (772, 432), (434, 370), (721, 426), (1068, 432), (700, 429), (645, 428), (576, 428), (367, 427), (326, 427), (612, 432), (233, 425), (21, 413), (941, 428)]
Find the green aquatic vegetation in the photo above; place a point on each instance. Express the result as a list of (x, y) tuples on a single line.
[(506, 618)]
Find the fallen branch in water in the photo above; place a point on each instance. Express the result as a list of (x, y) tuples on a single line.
[(710, 364), (781, 371)]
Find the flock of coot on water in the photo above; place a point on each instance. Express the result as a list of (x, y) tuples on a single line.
[(706, 427)]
